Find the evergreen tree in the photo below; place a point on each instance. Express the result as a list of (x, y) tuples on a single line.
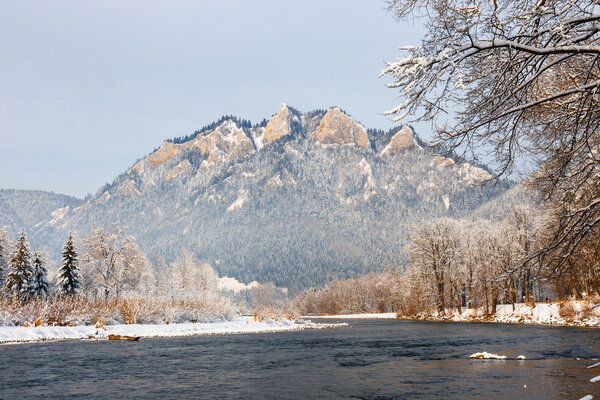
[(40, 280), (69, 279), (20, 278)]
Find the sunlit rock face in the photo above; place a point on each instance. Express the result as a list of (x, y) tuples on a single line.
[(400, 142), (338, 128), (227, 142), (278, 126), (182, 170), (165, 152)]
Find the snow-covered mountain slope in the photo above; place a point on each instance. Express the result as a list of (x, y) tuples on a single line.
[(300, 199), (26, 208)]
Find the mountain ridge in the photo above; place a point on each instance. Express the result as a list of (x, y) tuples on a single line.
[(298, 199)]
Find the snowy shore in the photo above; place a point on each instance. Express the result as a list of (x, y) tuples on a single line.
[(243, 324), (390, 315), (541, 313)]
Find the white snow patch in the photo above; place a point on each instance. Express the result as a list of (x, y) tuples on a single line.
[(390, 315), (232, 284), (239, 202), (521, 357), (596, 379), (588, 397), (595, 365), (242, 324), (275, 181), (487, 356), (58, 214), (446, 199)]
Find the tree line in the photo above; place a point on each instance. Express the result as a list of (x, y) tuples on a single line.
[(112, 266), (458, 264)]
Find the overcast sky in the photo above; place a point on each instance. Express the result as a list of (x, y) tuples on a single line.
[(88, 87)]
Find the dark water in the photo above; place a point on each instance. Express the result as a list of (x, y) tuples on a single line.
[(366, 360)]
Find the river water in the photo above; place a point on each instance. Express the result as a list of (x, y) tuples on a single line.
[(368, 359)]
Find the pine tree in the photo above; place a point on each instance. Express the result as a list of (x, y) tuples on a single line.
[(19, 280), (40, 280), (69, 279)]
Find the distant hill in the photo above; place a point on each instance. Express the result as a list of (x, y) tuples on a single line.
[(299, 199), (26, 208)]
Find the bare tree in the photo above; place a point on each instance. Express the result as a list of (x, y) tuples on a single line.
[(524, 79), (433, 252), (188, 278)]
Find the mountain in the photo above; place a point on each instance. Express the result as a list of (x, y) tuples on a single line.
[(25, 208), (299, 199)]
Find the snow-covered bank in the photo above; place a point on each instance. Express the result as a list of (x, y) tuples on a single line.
[(357, 316), (13, 334), (571, 313)]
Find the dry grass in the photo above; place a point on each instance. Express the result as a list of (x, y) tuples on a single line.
[(82, 310), (262, 313)]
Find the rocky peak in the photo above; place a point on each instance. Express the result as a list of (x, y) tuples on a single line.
[(226, 142), (182, 170), (404, 139), (339, 128), (278, 126), (165, 152)]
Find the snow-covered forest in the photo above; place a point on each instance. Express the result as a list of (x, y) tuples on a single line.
[(109, 280), (455, 265)]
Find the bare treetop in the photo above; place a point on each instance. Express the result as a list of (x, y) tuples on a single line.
[(519, 78)]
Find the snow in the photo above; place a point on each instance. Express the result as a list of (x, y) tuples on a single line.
[(58, 215), (595, 365), (232, 284), (541, 313), (588, 397), (521, 357), (239, 202), (487, 356), (242, 324), (360, 316), (596, 379)]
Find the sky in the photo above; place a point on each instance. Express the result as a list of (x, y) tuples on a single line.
[(89, 87)]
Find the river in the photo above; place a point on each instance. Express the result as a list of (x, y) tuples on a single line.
[(368, 359)]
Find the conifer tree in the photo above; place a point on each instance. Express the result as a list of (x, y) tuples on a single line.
[(69, 279), (40, 279), (19, 280)]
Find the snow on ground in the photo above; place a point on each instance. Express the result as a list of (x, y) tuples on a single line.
[(358, 316), (244, 324), (540, 313), (487, 356), (232, 284)]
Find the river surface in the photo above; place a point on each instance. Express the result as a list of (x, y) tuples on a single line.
[(368, 359)]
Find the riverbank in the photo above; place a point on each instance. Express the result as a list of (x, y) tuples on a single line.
[(570, 313), (242, 324)]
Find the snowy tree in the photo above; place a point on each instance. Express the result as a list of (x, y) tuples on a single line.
[(40, 279), (20, 278), (434, 254), (189, 278), (3, 258), (524, 76), (69, 277), (115, 263)]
